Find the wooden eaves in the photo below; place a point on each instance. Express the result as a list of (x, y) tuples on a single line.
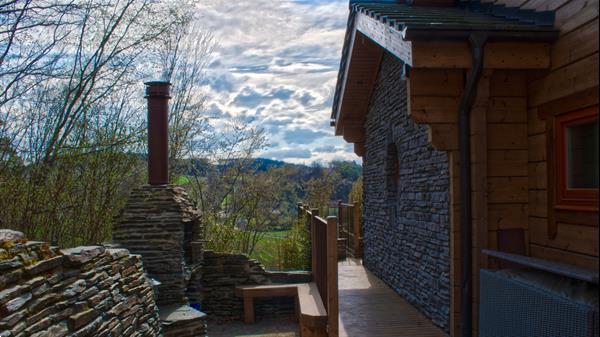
[(419, 45)]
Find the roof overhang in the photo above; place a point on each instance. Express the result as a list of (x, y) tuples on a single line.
[(369, 35)]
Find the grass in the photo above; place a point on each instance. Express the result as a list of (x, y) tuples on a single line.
[(266, 250), (181, 180)]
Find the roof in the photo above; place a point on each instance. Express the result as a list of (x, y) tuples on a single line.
[(472, 16), (443, 23)]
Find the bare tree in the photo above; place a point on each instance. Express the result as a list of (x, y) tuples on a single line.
[(72, 127), (31, 36), (184, 55)]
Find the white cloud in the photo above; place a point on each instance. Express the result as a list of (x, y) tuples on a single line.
[(276, 66)]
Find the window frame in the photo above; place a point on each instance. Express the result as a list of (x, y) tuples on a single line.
[(572, 198)]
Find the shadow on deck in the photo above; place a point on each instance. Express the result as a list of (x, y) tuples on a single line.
[(368, 307)]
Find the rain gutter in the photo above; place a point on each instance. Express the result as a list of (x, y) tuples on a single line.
[(477, 41)]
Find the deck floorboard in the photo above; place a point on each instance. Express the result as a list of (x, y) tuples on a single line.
[(368, 307)]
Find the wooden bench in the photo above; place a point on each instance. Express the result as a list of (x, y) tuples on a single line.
[(309, 306), (248, 293), (311, 311)]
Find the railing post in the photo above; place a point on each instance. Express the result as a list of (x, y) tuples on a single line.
[(314, 212), (332, 278), (340, 216), (356, 230), (300, 210)]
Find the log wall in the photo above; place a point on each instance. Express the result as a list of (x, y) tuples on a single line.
[(570, 84)]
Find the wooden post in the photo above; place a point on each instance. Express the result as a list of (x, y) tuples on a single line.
[(356, 230), (313, 240), (248, 310), (300, 210), (340, 225), (332, 278), (340, 216)]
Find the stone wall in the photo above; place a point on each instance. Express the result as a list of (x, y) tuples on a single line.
[(222, 272), (406, 201), (85, 291), (161, 224)]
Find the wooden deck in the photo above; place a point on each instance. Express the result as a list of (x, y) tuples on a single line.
[(368, 307)]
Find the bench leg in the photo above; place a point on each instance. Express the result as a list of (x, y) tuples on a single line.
[(248, 310)]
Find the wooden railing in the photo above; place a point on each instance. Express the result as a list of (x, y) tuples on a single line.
[(350, 234), (323, 235), (350, 228)]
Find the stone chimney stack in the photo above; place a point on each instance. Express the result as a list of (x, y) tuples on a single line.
[(158, 94), (160, 223)]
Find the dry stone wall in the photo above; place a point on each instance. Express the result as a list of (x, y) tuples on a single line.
[(160, 223), (222, 272), (85, 291), (406, 200)]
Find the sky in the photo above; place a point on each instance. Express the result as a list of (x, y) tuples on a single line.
[(275, 66)]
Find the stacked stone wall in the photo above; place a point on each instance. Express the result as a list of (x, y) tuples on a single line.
[(161, 224), (406, 200), (84, 291), (222, 272)]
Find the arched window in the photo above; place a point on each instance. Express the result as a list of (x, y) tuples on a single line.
[(392, 172)]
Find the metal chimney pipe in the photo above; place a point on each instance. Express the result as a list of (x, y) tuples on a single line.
[(158, 94)]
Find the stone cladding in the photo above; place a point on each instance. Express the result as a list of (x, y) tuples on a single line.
[(406, 200), (84, 291)]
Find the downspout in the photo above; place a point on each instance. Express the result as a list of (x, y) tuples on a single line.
[(477, 41)]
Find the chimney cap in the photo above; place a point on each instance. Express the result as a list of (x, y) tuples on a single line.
[(158, 88)]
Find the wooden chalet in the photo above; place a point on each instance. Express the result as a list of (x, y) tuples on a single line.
[(505, 93)]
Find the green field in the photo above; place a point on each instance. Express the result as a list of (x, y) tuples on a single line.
[(266, 250)]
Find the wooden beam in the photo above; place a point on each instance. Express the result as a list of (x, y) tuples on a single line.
[(436, 82), (358, 81), (580, 100), (433, 109), (441, 54), (332, 278), (348, 123), (354, 135), (359, 149), (387, 37), (565, 81), (497, 55), (443, 136), (517, 55)]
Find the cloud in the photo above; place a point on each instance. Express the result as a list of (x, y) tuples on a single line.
[(327, 148), (250, 98), (283, 154), (219, 83), (281, 93), (276, 66), (250, 69), (213, 111), (302, 136), (306, 98)]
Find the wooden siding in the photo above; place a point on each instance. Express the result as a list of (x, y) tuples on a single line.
[(571, 83)]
